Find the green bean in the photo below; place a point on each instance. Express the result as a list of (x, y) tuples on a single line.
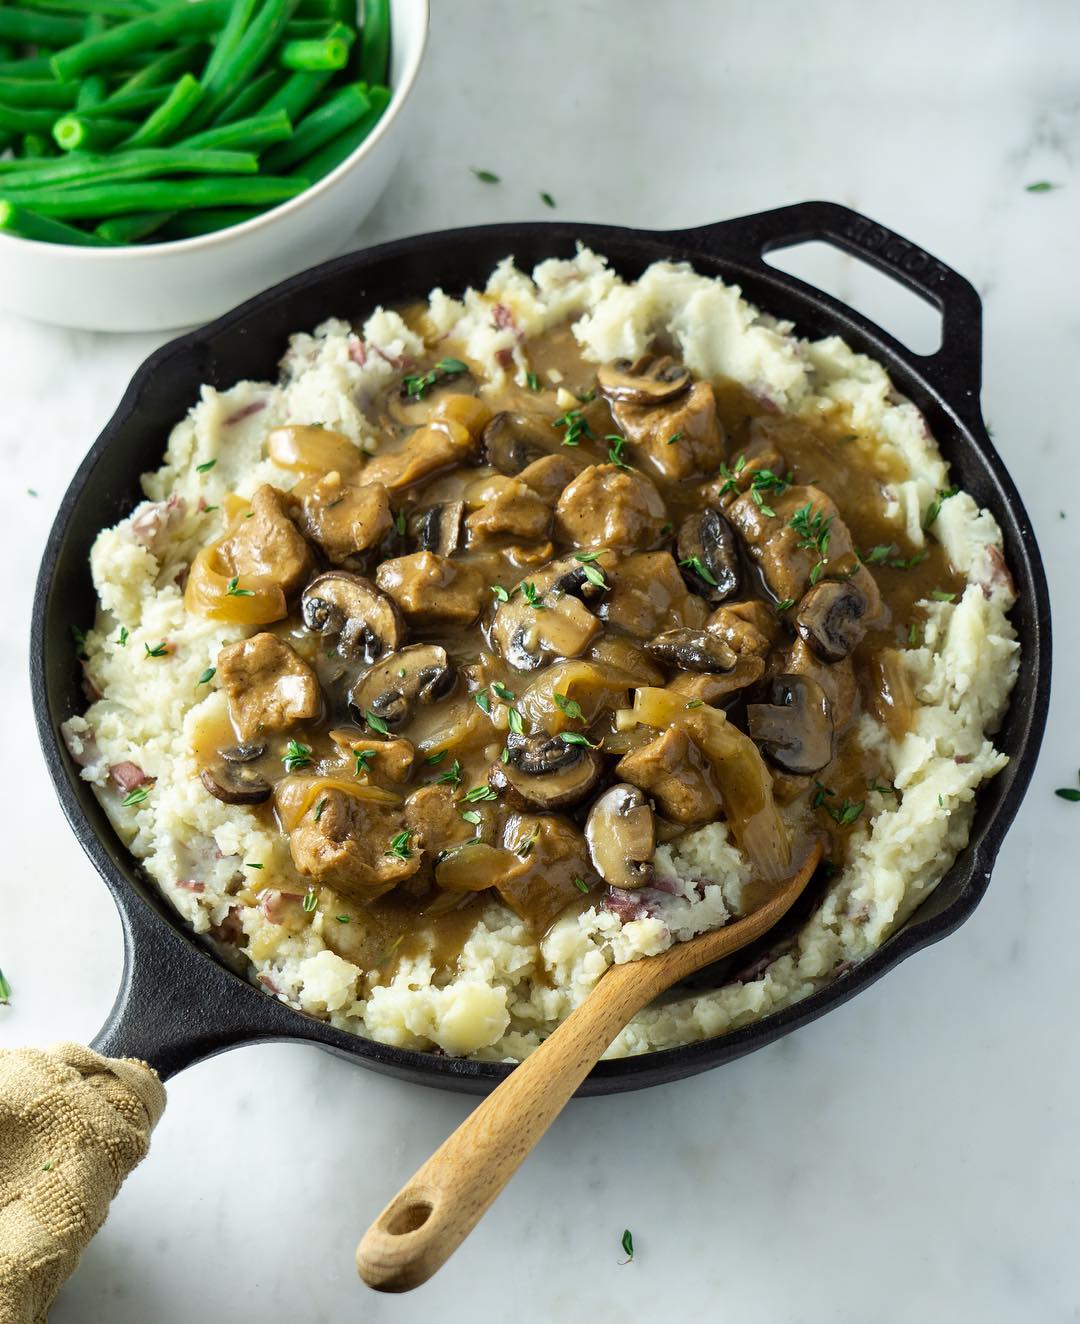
[(191, 224), (342, 9), (188, 18), (94, 88), (100, 200), (25, 119), (102, 8), (28, 92), (328, 158), (7, 50), (241, 13), (136, 225), (123, 167), (299, 91), (255, 47), (133, 104), (247, 135), (323, 124), (311, 56), (79, 133), (168, 119), (35, 147), (375, 42), (39, 29), (29, 225), (37, 67), (163, 69), (251, 97)]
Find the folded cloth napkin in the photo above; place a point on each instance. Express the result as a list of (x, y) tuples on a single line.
[(73, 1124)]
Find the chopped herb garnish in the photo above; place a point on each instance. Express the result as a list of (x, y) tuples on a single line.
[(500, 691), (576, 738), (399, 522), (123, 636), (376, 723), (665, 529), (528, 589), (159, 650), (310, 900), (416, 386), (471, 816), (437, 757), (875, 555), (628, 1245), (933, 510), (399, 845), (813, 527), (595, 576), (363, 759), (939, 595), (343, 919), (47, 1166), (486, 176), (1041, 186), (483, 701), (615, 450), (586, 557), (526, 846), (576, 425), (207, 676), (251, 865), (296, 756), (319, 808), (135, 797), (731, 475), (547, 199), (700, 569), (1068, 793), (205, 468), (233, 592), (207, 509), (909, 563), (515, 722), (675, 436), (79, 636), (5, 989), (848, 811), (451, 777), (532, 381), (765, 480), (941, 802), (913, 635), (695, 703), (31, 491), (480, 793), (785, 604), (504, 757), (816, 573), (883, 788), (570, 707), (580, 884)]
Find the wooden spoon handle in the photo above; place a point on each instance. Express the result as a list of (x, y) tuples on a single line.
[(436, 1210)]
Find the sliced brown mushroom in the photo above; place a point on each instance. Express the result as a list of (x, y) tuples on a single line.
[(709, 555), (693, 650), (438, 529), (621, 836), (650, 380), (547, 616), (513, 441), (831, 617), (231, 779), (794, 729), (366, 623), (419, 674), (545, 772)]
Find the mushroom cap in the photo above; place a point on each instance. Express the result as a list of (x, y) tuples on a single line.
[(366, 622), (708, 541), (830, 618), (693, 650), (795, 729), (545, 772), (621, 835), (650, 380), (514, 441), (235, 782), (391, 695)]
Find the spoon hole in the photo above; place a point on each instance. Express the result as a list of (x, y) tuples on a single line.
[(409, 1218)]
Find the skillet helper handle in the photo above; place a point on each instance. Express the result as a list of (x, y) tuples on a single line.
[(956, 367), (73, 1124), (440, 1205)]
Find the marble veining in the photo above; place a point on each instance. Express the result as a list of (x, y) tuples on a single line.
[(914, 1155)]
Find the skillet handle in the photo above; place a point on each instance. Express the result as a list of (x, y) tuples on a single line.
[(955, 369)]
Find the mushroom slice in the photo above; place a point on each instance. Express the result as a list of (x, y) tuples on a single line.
[(709, 555), (621, 836), (547, 618), (419, 674), (650, 380), (545, 772), (367, 624), (439, 528), (830, 618), (693, 650), (513, 441), (795, 729), (236, 783)]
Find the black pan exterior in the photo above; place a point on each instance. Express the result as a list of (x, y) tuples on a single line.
[(178, 1003)]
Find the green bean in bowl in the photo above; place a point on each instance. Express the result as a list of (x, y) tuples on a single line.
[(117, 116)]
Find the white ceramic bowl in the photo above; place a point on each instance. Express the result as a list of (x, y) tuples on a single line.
[(159, 287)]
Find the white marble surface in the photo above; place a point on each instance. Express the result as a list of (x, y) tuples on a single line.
[(914, 1155)]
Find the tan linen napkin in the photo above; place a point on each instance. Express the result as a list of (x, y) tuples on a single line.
[(73, 1124)]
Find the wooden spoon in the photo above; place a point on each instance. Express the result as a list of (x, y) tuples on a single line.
[(436, 1210)]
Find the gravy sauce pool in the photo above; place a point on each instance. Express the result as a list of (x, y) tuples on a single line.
[(456, 742)]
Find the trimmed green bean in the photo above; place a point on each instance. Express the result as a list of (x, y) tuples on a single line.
[(328, 158), (103, 8), (29, 92), (169, 118), (188, 18), (164, 69), (36, 67), (25, 119), (136, 225), (36, 147), (79, 133), (251, 98), (39, 29), (241, 14), (27, 224), (123, 167), (7, 50), (342, 9), (310, 56), (375, 42), (247, 135), (120, 106), (252, 52), (94, 88), (100, 200), (191, 224), (299, 91), (323, 124)]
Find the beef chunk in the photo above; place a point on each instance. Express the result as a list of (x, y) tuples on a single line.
[(269, 687), (342, 518), (675, 440), (676, 774), (269, 543), (606, 506), (349, 844), (432, 589)]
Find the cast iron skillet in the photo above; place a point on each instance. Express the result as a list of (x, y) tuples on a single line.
[(177, 1003)]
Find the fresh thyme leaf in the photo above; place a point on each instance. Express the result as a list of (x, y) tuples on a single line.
[(847, 812), (376, 723), (501, 595), (486, 176), (310, 900), (205, 468), (437, 757), (909, 563), (586, 557), (471, 816), (451, 367), (570, 707), (483, 701), (31, 491), (813, 527), (5, 989), (296, 756), (580, 884), (123, 636), (913, 634), (1041, 186), (532, 381), (343, 919), (500, 691), (451, 777), (816, 573), (504, 757), (700, 569), (47, 1166), (399, 522), (675, 436), (576, 425), (628, 1244), (135, 797), (363, 759), (785, 604), (252, 865), (319, 808), (933, 510), (159, 650), (547, 199), (526, 846), (615, 450), (207, 509), (528, 589), (480, 793), (939, 595), (595, 576), (233, 592), (730, 476), (881, 552), (207, 676), (515, 722), (665, 529), (941, 802), (79, 637), (695, 703), (882, 788), (1068, 793), (399, 845), (576, 738)]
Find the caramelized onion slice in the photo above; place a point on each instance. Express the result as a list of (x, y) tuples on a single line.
[(294, 796), (304, 448), (254, 600)]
